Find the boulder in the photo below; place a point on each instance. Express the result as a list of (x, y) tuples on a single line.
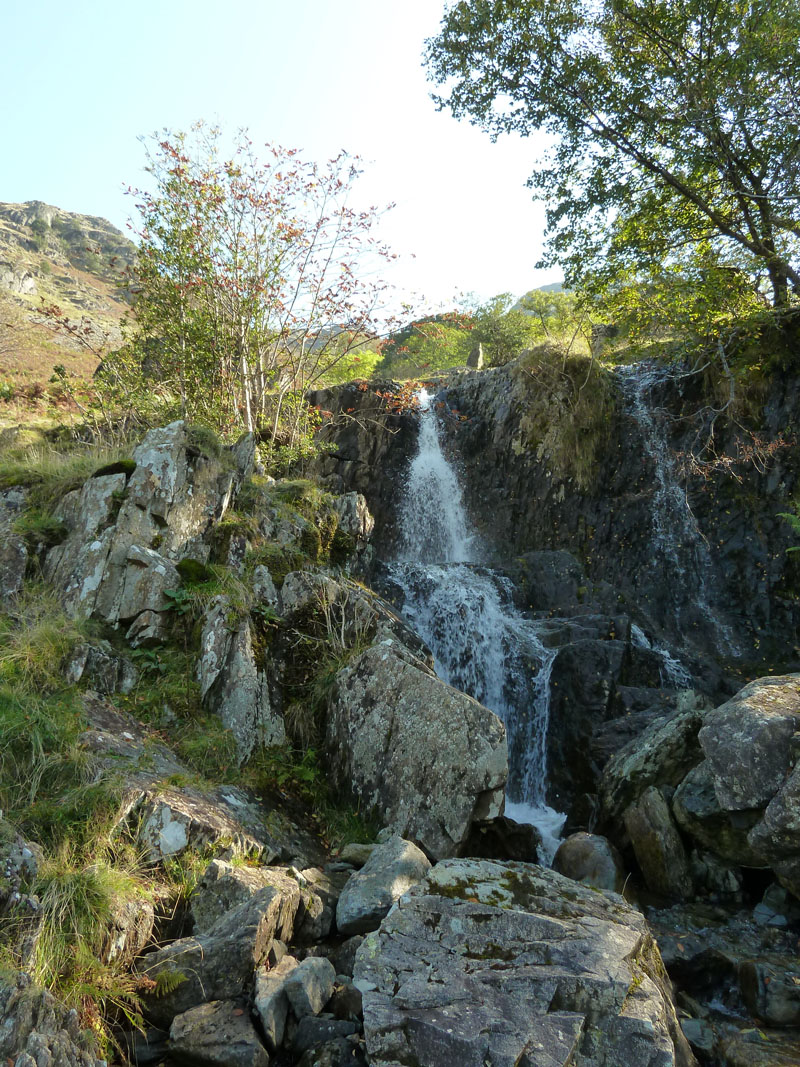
[(320, 891), (752, 741), (122, 527), (224, 886), (698, 813), (107, 670), (511, 963), (218, 964), (502, 838), (661, 755), (312, 1032), (263, 587), (391, 869), (592, 860), (310, 985), (424, 759), (217, 1034), (270, 1001), (168, 821), (658, 846)]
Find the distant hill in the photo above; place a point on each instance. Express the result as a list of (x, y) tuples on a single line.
[(49, 256)]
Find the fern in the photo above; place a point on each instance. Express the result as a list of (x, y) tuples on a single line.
[(168, 981), (794, 521)]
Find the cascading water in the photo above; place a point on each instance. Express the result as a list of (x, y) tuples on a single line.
[(465, 613), (681, 557)]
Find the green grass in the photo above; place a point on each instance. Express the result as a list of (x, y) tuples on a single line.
[(50, 470), (35, 639)]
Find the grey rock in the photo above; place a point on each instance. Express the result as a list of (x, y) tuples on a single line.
[(129, 931), (592, 860), (13, 564), (319, 897), (662, 755), (217, 1034), (699, 1034), (170, 501), (750, 742), (356, 853), (354, 516), (657, 845), (346, 1002), (218, 964), (502, 838), (224, 886), (168, 821), (391, 869), (105, 669), (698, 813), (425, 759), (313, 1032), (231, 683), (263, 588), (36, 1030), (344, 957), (512, 963), (771, 992), (713, 876), (270, 1000), (310, 985)]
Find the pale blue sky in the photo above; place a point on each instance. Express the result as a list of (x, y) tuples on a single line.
[(81, 80)]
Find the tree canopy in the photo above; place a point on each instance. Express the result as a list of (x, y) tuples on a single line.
[(254, 277), (675, 126)]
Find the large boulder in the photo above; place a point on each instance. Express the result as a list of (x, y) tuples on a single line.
[(510, 963), (424, 759), (219, 1034), (218, 964), (751, 744)]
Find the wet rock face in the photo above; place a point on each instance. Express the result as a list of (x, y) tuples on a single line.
[(426, 759), (510, 963)]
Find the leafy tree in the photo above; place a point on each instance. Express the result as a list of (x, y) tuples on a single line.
[(247, 285), (430, 344), (675, 121)]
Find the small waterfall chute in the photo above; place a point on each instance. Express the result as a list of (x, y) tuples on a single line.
[(465, 613)]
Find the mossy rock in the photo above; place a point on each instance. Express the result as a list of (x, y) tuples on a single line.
[(193, 572), (122, 466)]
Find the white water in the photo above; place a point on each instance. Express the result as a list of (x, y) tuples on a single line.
[(680, 549), (464, 612)]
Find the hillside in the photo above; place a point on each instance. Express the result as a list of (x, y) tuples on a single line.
[(50, 256)]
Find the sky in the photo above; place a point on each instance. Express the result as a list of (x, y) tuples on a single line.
[(84, 80)]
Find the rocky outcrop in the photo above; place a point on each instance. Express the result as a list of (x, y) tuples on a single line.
[(421, 757), (36, 1029), (127, 529), (510, 963), (231, 683)]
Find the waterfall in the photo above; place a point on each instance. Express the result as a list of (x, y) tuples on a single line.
[(681, 561), (465, 612)]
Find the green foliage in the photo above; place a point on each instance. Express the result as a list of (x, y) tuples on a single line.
[(50, 470), (793, 518), (246, 281), (676, 120), (35, 638), (39, 529), (570, 403)]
